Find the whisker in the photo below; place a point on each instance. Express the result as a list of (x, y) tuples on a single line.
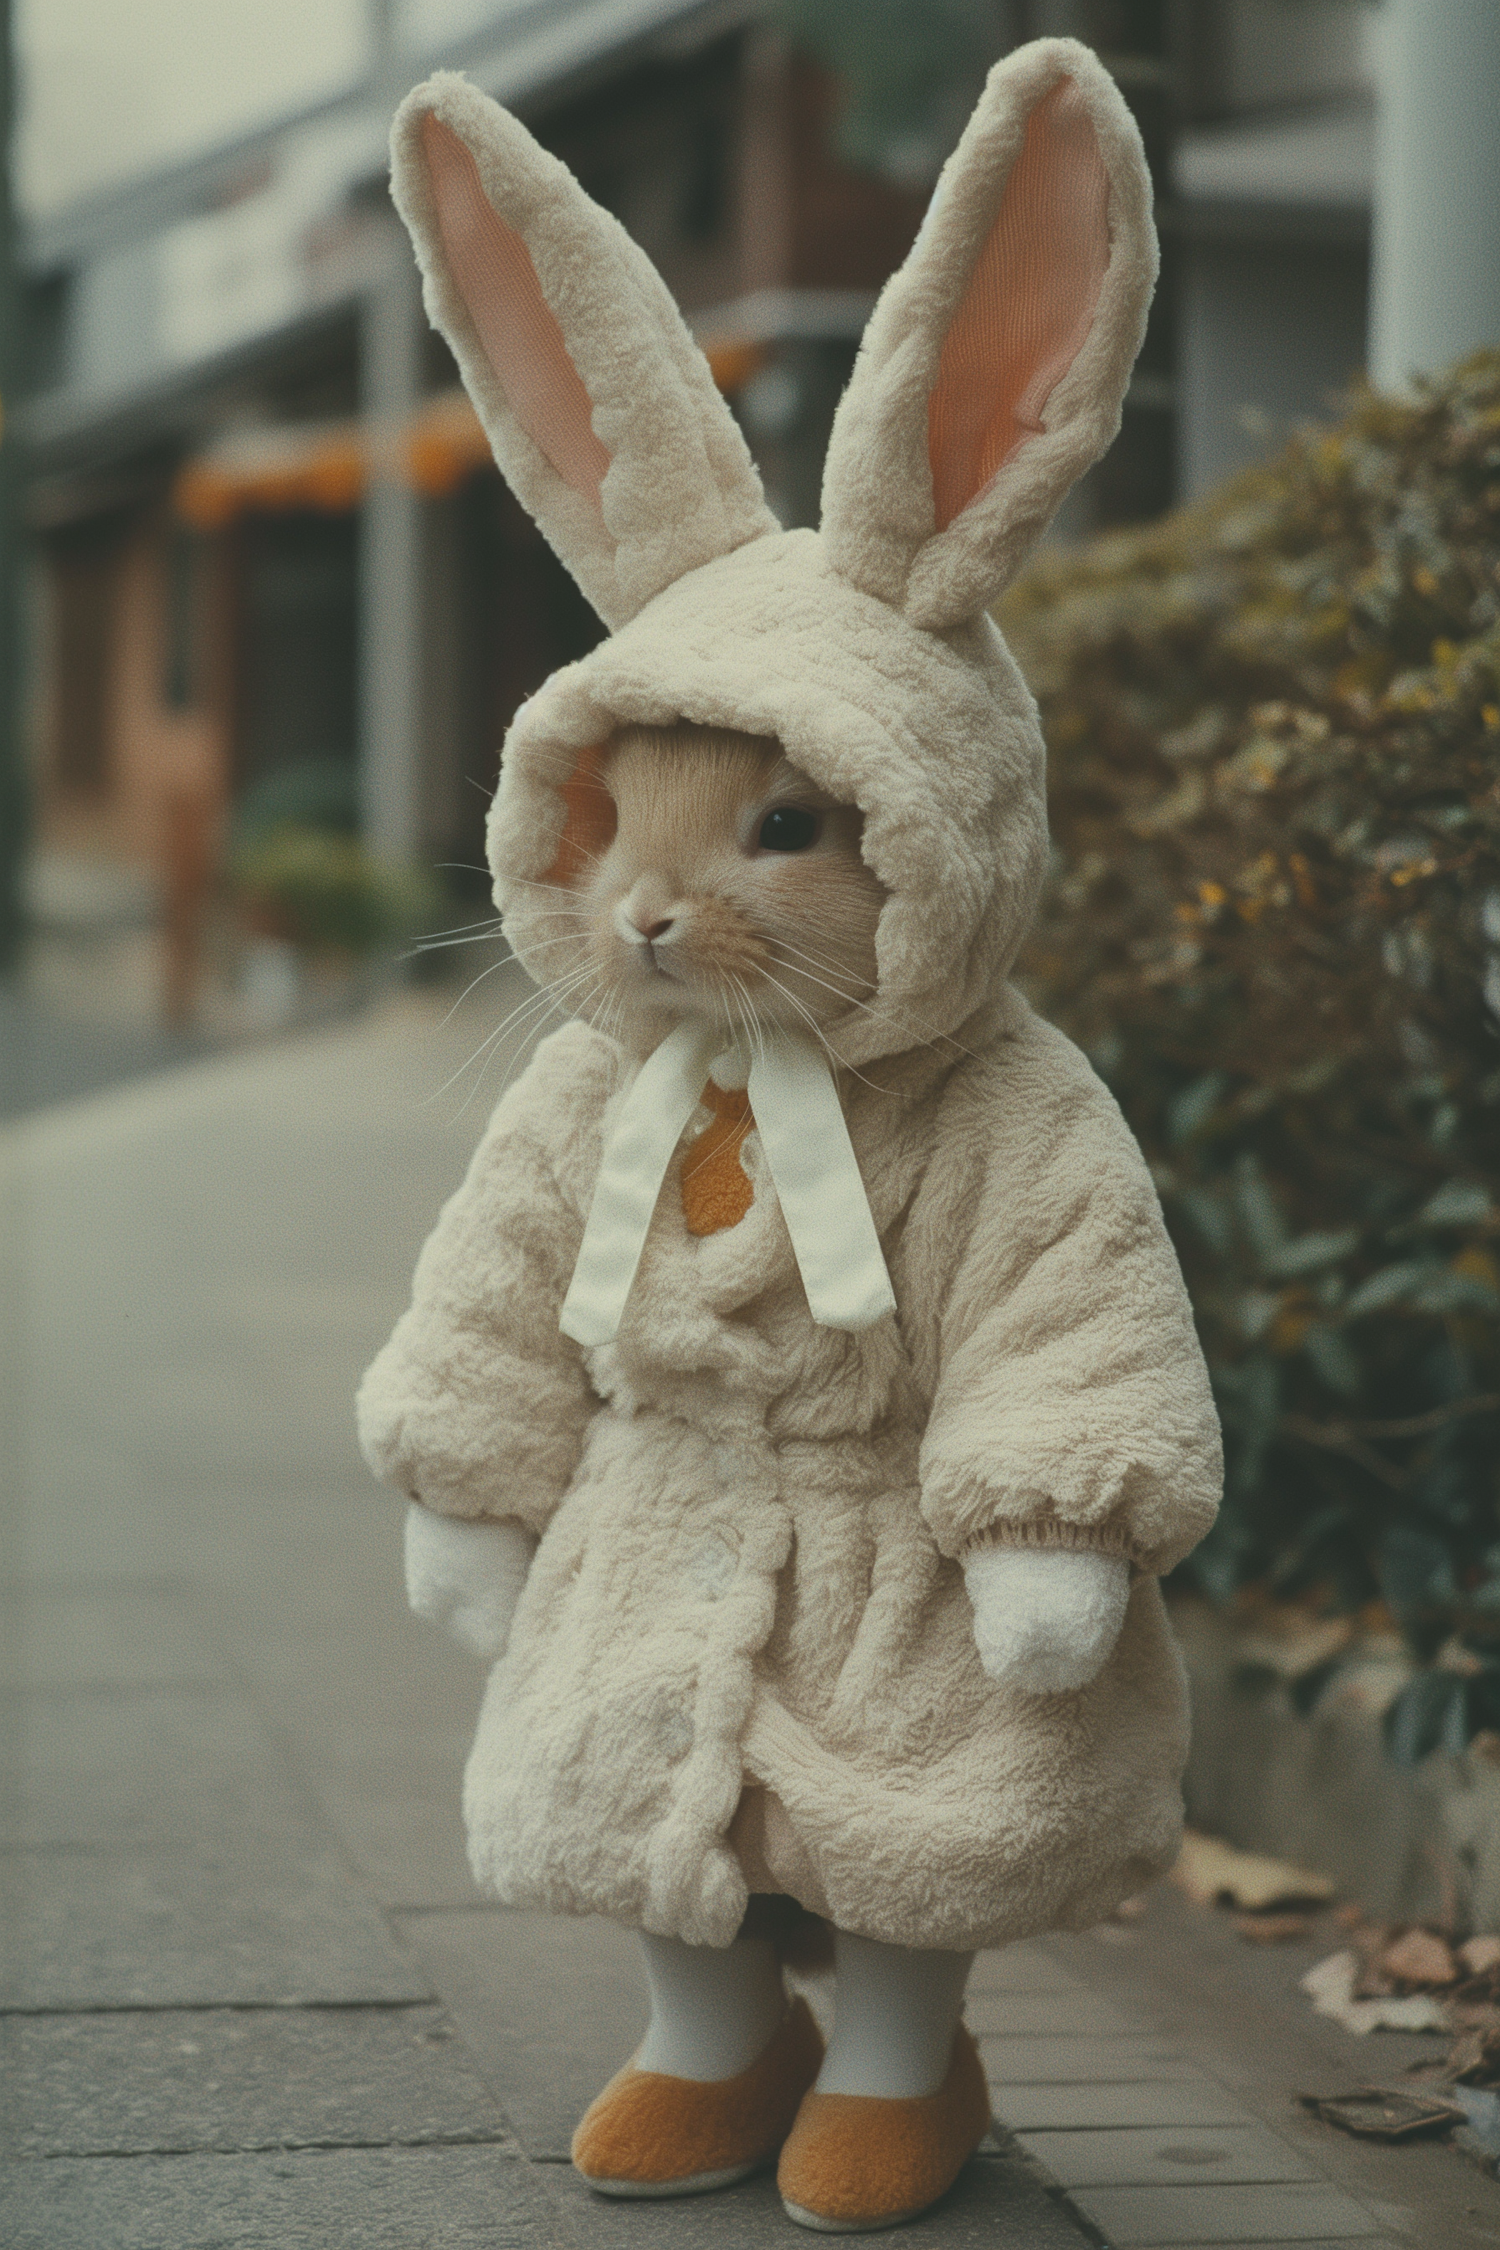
[(922, 1034), (849, 998), (537, 883), (823, 961), (564, 937), (490, 922), (471, 987), (821, 1036), (446, 945), (730, 997), (753, 1031), (533, 1000), (551, 999)]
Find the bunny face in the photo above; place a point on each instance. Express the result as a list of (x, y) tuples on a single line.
[(958, 842), (990, 376), (714, 882)]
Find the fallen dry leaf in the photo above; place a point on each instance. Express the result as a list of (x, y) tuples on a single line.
[(1420, 1957), (1330, 1986), (1372, 1983), (1475, 2059), (1471, 2015), (1131, 1910), (1385, 2113), (1291, 1644), (1273, 1929), (1476, 1992), (1210, 1870)]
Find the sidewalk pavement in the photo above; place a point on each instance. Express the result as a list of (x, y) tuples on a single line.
[(251, 1997), (46, 1058)]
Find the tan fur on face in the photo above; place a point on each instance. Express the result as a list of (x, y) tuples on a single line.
[(685, 914)]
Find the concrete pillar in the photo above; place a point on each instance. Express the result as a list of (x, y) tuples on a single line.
[(390, 559), (14, 791), (390, 651), (1435, 262)]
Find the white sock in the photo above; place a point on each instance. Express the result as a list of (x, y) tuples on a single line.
[(895, 2013), (713, 2008)]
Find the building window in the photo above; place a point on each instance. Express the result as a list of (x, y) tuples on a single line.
[(84, 576), (183, 636), (704, 210)]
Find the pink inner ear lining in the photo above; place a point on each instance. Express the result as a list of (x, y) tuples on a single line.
[(517, 327), (588, 827), (1028, 307)]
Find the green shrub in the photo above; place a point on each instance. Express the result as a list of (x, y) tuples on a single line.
[(314, 793), (1274, 922), (327, 893)]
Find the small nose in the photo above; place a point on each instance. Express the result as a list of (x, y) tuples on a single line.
[(640, 920)]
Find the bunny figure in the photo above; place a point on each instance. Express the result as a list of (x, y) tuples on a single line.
[(799, 1400)]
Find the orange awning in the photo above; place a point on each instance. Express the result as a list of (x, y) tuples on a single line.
[(325, 464)]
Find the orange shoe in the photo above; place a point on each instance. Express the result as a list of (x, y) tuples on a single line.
[(651, 2134), (855, 2162)]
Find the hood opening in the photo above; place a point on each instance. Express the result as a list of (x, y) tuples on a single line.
[(588, 826)]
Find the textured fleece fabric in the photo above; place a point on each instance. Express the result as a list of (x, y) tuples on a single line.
[(745, 1645)]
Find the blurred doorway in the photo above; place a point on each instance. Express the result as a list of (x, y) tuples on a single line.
[(296, 643)]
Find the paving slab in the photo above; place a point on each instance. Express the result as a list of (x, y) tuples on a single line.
[(1143, 2103), (1131, 2157), (1239, 2017), (1022, 1968), (1142, 2218), (93, 1929), (996, 2204), (154, 1769), (346, 2199), (109, 1633), (1030, 2015), (407, 1842), (1102, 2062), (249, 1749), (549, 2006), (169, 1857), (746, 2217), (240, 2079)]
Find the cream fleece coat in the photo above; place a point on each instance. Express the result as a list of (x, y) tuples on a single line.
[(745, 1655)]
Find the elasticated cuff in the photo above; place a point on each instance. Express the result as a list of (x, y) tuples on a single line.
[(1053, 1531), (469, 1503)]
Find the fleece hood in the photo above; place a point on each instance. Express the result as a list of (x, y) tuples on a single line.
[(990, 376)]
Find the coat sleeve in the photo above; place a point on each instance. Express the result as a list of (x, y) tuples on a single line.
[(1071, 1405), (478, 1405)]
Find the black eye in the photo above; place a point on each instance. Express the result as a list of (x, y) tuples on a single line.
[(790, 828)]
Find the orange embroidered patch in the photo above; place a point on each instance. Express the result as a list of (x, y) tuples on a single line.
[(716, 1191)]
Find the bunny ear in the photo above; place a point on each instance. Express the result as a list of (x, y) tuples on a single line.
[(600, 408), (995, 363)]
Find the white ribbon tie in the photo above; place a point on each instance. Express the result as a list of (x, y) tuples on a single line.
[(808, 1153)]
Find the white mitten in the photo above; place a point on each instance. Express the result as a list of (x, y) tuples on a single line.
[(1046, 1618), (467, 1577)]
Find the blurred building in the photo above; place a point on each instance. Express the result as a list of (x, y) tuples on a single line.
[(1271, 189), (202, 449), (274, 562)]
